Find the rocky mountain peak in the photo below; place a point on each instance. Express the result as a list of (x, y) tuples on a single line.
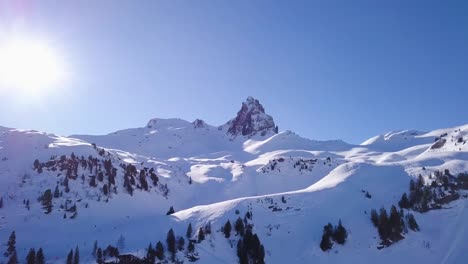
[(251, 120)]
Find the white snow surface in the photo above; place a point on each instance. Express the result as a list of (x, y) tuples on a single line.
[(321, 182)]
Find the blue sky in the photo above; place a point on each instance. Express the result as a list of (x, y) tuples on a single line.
[(324, 69)]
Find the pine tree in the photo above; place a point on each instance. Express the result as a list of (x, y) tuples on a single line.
[(13, 258), (261, 255), (171, 243), (239, 226), (121, 242), (190, 247), (413, 225), (412, 185), (65, 183), (227, 229), (188, 234), (404, 202), (421, 181), (70, 257), (40, 259), (47, 201), (325, 243), (374, 218), (201, 235), (31, 257), (170, 211), (383, 226), (159, 250), (76, 258), (180, 244), (56, 192), (95, 247), (242, 252), (208, 228), (340, 234), (105, 189), (36, 164), (99, 258), (395, 222), (11, 244), (150, 254)]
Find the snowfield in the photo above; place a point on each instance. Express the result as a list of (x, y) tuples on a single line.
[(292, 186)]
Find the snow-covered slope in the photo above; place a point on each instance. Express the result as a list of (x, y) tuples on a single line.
[(123, 183)]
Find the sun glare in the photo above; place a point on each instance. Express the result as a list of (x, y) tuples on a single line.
[(29, 66)]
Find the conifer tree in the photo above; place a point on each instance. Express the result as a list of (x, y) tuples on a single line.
[(340, 234), (11, 244), (159, 252), (383, 224), (201, 235), (413, 225), (227, 229), (56, 192), (374, 218), (180, 244), (239, 226), (31, 257), (70, 257), (395, 222), (40, 259), (242, 252), (404, 202), (325, 243), (190, 247), (99, 258), (208, 228), (150, 254), (95, 247), (13, 258), (188, 234), (76, 258), (170, 211), (171, 243), (47, 201)]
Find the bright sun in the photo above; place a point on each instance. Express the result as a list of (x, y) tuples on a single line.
[(29, 66)]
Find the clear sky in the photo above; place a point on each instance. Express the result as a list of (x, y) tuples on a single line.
[(323, 69)]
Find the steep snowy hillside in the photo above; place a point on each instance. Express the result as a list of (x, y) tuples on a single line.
[(277, 189)]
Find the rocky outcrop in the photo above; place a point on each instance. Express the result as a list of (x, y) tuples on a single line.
[(251, 120)]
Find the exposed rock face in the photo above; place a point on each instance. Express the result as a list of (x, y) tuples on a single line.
[(198, 123), (251, 120)]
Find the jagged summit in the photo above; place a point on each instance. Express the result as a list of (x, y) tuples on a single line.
[(251, 120)]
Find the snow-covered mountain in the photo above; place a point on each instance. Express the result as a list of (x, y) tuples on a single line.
[(116, 189)]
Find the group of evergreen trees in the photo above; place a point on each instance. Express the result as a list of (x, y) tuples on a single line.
[(99, 254), (391, 227), (73, 257), (239, 227), (33, 257), (331, 233), (46, 201), (173, 245), (131, 173), (249, 248), (442, 189)]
